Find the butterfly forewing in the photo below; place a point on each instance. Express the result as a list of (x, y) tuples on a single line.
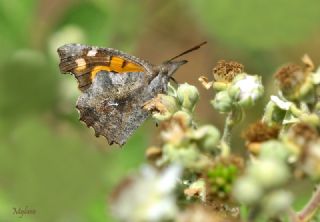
[(84, 62)]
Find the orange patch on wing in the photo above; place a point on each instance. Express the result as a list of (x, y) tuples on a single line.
[(97, 69), (118, 65)]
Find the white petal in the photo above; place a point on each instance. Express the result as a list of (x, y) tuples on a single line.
[(280, 103), (169, 178)]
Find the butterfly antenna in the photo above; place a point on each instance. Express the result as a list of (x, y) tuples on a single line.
[(189, 50)]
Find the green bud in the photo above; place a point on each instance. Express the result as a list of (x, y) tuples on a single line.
[(220, 179), (220, 86), (311, 163), (233, 170), (246, 89), (233, 92), (163, 107), (274, 149), (208, 137), (227, 188), (247, 191), (269, 173), (277, 202), (170, 103), (171, 90), (188, 96), (186, 156), (222, 102), (185, 116)]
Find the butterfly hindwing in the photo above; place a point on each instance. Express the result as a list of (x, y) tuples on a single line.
[(113, 104)]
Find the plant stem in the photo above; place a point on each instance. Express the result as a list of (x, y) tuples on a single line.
[(293, 216), (226, 137), (311, 207)]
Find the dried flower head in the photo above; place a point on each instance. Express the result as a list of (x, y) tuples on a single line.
[(302, 134), (257, 133), (175, 129), (260, 132), (293, 81), (289, 76), (226, 71), (162, 107)]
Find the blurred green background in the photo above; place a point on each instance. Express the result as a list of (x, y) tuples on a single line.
[(51, 162)]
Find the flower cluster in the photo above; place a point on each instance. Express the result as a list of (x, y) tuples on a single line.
[(193, 175), (285, 145), (147, 196), (234, 87), (183, 142)]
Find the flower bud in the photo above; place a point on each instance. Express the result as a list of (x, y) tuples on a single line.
[(246, 89), (208, 137), (220, 179), (162, 107), (294, 82), (183, 116), (311, 161), (247, 191), (188, 96), (274, 149), (269, 173), (186, 156), (171, 90), (277, 202), (222, 102)]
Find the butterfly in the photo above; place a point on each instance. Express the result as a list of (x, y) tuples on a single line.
[(114, 86)]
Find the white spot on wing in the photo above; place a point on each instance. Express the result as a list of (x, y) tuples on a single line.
[(92, 52), (81, 62), (113, 104)]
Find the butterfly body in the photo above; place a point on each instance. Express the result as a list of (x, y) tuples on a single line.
[(114, 87)]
